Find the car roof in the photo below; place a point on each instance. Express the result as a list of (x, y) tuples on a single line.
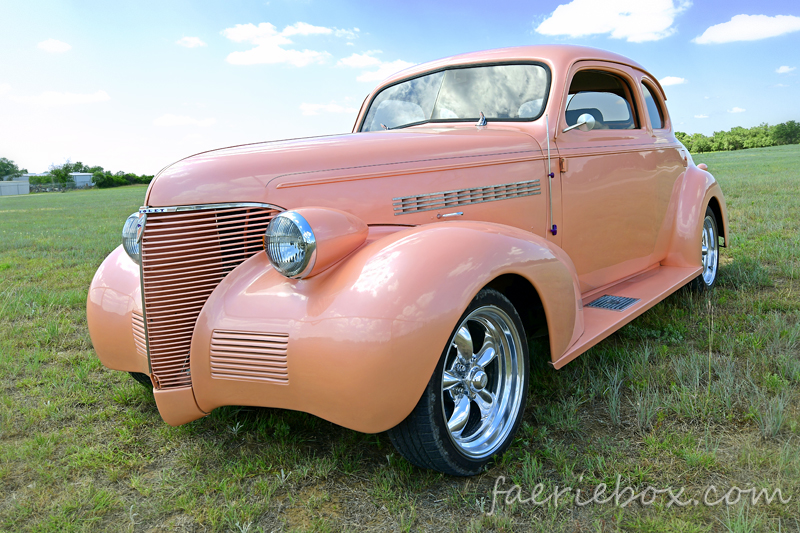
[(559, 56)]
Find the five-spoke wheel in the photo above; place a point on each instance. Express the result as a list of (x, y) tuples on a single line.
[(474, 401), (709, 253)]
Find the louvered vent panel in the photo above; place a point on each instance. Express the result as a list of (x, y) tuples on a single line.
[(249, 356), (459, 197), (137, 322), (185, 255), (612, 303)]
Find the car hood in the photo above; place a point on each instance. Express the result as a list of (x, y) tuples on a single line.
[(330, 171)]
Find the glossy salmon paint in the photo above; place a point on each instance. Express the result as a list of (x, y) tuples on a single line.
[(115, 294), (411, 224), (337, 235), (408, 288)]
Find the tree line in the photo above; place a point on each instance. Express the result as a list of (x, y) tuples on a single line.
[(60, 175), (102, 178), (739, 138)]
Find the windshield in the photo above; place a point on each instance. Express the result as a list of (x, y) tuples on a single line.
[(501, 92)]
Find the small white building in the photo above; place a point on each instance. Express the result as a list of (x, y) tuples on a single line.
[(13, 188), (82, 179)]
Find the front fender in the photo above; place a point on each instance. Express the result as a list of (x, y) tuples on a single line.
[(114, 297), (696, 192), (357, 344)]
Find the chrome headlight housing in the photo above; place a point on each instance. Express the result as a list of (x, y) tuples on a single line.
[(291, 245), (132, 236)]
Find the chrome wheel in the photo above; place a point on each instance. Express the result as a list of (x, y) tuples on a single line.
[(710, 250), (709, 253), (475, 399), (481, 385)]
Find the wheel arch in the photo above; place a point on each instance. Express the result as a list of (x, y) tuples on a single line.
[(714, 205), (525, 298)]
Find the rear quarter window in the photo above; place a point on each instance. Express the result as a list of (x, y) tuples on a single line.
[(654, 108)]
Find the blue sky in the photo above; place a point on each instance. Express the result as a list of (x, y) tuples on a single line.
[(137, 85)]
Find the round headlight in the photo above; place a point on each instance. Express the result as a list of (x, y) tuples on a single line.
[(132, 236), (290, 245)]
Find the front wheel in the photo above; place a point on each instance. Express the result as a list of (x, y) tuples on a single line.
[(473, 403), (709, 251)]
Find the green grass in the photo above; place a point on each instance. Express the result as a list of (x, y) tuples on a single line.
[(677, 398)]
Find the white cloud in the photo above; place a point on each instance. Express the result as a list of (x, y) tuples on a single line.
[(302, 28), (367, 60), (53, 98), (749, 28), (190, 42), (736, 110), (269, 43), (316, 109), (633, 20), (784, 69), (54, 46), (169, 120), (364, 60), (701, 116), (781, 85), (385, 70), (4, 88), (671, 80), (347, 34)]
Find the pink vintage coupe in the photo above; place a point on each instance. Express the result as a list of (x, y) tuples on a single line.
[(387, 279)]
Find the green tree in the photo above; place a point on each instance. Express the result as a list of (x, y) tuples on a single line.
[(786, 133), (9, 169)]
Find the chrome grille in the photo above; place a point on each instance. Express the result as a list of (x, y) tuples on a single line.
[(185, 255), (458, 197), (249, 356)]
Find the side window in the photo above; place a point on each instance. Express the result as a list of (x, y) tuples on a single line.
[(653, 108), (605, 96)]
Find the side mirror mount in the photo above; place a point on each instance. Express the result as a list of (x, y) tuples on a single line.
[(585, 122)]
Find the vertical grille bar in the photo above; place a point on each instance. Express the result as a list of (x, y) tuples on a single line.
[(185, 255)]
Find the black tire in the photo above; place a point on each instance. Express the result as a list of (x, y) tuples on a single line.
[(709, 243), (144, 379), (474, 437)]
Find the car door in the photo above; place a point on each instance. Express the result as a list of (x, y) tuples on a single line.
[(608, 179)]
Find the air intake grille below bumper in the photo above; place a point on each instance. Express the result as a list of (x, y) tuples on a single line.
[(185, 255), (137, 323), (249, 356)]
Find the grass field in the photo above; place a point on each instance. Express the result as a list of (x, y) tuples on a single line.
[(699, 391)]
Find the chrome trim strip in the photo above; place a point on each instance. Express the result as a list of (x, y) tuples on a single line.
[(144, 311), (202, 207), (472, 195)]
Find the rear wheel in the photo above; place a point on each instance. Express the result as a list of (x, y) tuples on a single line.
[(709, 250), (474, 402)]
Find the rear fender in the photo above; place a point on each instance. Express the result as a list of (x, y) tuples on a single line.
[(357, 344), (697, 190)]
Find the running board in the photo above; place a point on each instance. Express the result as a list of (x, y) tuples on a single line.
[(647, 289)]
